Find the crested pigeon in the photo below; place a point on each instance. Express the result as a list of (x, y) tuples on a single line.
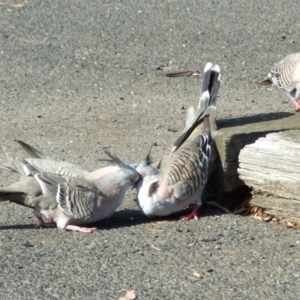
[(65, 195), (180, 177), (286, 75)]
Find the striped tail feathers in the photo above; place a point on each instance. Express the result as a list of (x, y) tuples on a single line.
[(209, 94), (191, 113), (210, 82)]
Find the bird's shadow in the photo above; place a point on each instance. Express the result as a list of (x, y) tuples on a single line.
[(129, 218), (17, 226), (239, 121)]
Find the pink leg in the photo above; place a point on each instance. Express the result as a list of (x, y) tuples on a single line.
[(297, 105), (81, 229), (192, 215)]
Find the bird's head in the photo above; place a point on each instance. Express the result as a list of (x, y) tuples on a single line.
[(147, 189), (127, 175)]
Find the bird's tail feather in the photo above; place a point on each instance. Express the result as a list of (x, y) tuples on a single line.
[(215, 85), (209, 123), (197, 120), (209, 94), (7, 194), (19, 198), (18, 192)]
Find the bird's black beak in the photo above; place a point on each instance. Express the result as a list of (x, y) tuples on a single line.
[(142, 175)]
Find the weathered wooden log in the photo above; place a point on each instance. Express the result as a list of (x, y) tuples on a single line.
[(234, 134), (271, 167)]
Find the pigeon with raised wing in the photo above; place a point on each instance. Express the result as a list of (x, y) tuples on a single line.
[(286, 75), (180, 177), (67, 196)]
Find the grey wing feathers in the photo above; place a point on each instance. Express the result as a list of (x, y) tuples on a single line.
[(42, 162), (188, 171), (57, 167), (76, 197), (21, 166), (6, 164), (32, 151)]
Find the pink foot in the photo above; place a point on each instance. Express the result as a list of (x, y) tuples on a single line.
[(192, 215), (297, 105), (81, 229)]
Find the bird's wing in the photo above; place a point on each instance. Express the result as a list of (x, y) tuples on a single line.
[(34, 153), (42, 162), (6, 164), (76, 197), (188, 167)]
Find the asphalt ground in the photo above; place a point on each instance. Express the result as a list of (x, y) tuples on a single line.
[(77, 75)]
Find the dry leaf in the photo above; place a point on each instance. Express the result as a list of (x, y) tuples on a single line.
[(196, 274), (178, 73), (130, 295), (19, 5), (291, 224), (155, 248), (157, 230)]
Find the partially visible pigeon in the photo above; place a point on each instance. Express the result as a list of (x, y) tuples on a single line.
[(64, 195), (180, 177), (286, 75)]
